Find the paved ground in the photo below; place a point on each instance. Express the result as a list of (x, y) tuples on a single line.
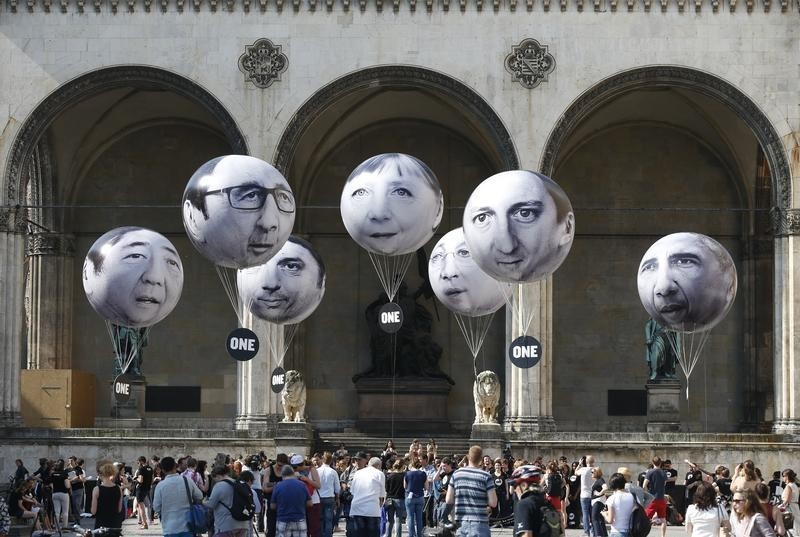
[(130, 528)]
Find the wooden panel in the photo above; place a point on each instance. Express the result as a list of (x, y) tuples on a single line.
[(57, 398)]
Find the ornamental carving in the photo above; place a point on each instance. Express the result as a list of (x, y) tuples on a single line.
[(785, 222), (530, 63), (50, 244), (262, 63), (12, 220)]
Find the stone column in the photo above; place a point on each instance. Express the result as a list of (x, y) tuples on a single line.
[(49, 300), (787, 321), (529, 392), (257, 407), (12, 313)]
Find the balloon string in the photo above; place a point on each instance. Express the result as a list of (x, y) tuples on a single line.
[(688, 359), (391, 270), (474, 330), (124, 357), (228, 278)]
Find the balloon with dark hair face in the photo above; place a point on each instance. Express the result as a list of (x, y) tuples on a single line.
[(238, 211), (287, 288), (458, 281), (687, 282), (519, 226), (391, 204), (133, 277)]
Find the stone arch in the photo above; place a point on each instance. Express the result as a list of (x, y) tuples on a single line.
[(398, 76), (683, 77), (93, 83)]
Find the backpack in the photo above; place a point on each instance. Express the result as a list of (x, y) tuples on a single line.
[(242, 507), (640, 524), (554, 484), (550, 525)]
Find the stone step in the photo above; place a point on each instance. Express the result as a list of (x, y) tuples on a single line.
[(447, 445)]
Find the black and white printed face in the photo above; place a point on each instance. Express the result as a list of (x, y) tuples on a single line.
[(457, 280), (287, 288), (515, 229), (391, 204), (238, 211), (687, 282), (133, 277)]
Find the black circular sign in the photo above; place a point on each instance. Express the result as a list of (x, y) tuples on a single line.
[(390, 318), (122, 388), (525, 352), (242, 344), (277, 380)]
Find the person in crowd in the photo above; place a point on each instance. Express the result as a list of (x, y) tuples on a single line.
[(221, 497), (471, 493), (5, 518), (21, 503), (745, 477), (144, 481), (655, 482), (527, 514), (369, 490), (500, 478), (170, 500), (254, 467), (790, 495), (395, 504), (107, 499), (20, 473), (440, 486), (247, 477), (415, 483), (290, 500), (747, 517), (619, 506), (202, 477), (62, 493), (308, 474), (388, 451), (642, 496), (430, 470), (158, 475), (599, 497), (329, 491), (584, 472), (722, 483), (705, 517), (77, 478), (344, 469), (272, 476), (773, 514)]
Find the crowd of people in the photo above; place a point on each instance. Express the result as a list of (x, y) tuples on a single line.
[(377, 494)]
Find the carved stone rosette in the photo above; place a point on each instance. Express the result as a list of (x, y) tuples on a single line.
[(530, 63), (262, 63), (785, 221)]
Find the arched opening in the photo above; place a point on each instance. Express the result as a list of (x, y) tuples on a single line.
[(378, 110), (115, 147), (642, 155)]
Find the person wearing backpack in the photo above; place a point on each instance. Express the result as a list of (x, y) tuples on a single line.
[(534, 516), (619, 507), (227, 499)]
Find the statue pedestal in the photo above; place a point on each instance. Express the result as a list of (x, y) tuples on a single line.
[(490, 437), (132, 410), (417, 405), (292, 437), (663, 406)]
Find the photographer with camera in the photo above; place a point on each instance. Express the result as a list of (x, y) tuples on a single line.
[(472, 494), (440, 484)]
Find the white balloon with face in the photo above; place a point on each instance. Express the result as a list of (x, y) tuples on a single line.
[(519, 226), (238, 211), (288, 287), (133, 277), (687, 282), (457, 280), (391, 204)]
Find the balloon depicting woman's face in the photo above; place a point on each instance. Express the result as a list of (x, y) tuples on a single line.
[(458, 282), (238, 211), (133, 277), (687, 282), (391, 204), (519, 226)]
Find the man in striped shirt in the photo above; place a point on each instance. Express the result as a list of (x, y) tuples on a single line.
[(472, 494)]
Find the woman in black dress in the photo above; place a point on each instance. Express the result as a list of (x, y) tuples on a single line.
[(107, 499)]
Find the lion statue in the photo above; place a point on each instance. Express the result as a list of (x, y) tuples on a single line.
[(486, 392), (293, 397)]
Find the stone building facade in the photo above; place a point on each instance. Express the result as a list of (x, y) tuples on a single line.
[(654, 117)]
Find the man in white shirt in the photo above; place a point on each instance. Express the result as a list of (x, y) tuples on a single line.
[(369, 489), (584, 471), (328, 491)]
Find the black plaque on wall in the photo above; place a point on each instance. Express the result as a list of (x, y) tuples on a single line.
[(172, 399), (627, 402)]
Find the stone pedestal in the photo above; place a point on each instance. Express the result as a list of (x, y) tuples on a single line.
[(490, 437), (293, 437), (416, 405), (132, 410), (663, 406)]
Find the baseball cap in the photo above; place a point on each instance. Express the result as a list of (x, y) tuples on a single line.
[(296, 460)]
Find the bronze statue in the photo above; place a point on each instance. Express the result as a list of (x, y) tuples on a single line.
[(129, 342), (659, 353)]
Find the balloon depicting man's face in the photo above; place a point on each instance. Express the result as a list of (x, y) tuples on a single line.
[(391, 204), (458, 282), (687, 282), (519, 226), (133, 277), (288, 287), (238, 211)]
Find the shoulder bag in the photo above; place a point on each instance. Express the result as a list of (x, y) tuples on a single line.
[(197, 519)]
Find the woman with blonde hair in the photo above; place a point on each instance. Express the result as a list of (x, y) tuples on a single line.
[(107, 499), (745, 476), (747, 518)]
